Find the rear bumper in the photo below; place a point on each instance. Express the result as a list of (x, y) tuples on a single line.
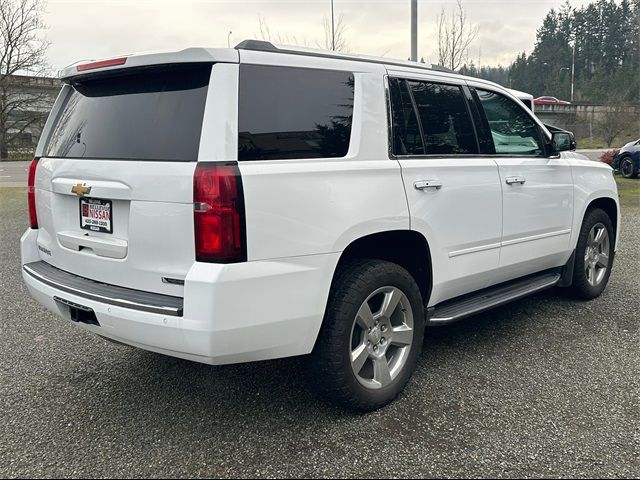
[(100, 292), (231, 313)]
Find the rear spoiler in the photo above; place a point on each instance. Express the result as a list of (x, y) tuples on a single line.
[(189, 55)]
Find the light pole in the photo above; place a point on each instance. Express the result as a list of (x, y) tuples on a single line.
[(229, 39), (414, 30), (573, 68), (545, 77), (333, 29)]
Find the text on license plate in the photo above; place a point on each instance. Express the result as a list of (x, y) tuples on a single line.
[(95, 215)]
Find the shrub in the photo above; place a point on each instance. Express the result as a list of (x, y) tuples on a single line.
[(607, 157)]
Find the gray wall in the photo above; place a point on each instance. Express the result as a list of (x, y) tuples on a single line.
[(583, 120)]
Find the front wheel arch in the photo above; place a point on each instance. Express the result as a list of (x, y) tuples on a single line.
[(592, 256), (610, 207)]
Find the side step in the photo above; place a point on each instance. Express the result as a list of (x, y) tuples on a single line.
[(459, 308)]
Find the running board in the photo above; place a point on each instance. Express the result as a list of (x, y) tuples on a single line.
[(457, 309)]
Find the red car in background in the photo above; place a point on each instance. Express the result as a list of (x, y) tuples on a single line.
[(549, 101)]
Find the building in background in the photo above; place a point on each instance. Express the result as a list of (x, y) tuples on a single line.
[(29, 101)]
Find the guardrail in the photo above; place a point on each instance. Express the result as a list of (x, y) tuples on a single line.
[(586, 110)]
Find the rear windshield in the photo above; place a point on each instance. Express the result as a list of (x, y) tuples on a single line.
[(154, 114)]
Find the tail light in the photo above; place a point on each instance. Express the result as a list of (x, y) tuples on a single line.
[(31, 193), (218, 215)]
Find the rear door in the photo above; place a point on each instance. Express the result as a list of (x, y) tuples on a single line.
[(537, 189), (454, 194), (115, 180)]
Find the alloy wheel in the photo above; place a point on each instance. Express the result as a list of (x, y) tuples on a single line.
[(626, 167), (597, 253), (381, 337)]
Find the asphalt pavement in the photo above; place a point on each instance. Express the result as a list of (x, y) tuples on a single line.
[(13, 174), (592, 154), (544, 387)]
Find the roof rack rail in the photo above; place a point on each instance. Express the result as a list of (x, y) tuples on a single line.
[(266, 46)]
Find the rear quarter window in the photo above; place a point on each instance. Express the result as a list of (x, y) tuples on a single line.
[(150, 114), (444, 117), (294, 113)]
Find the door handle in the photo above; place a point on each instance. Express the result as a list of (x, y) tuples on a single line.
[(518, 179), (427, 184)]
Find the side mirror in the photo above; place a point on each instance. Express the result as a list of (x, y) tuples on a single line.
[(563, 141)]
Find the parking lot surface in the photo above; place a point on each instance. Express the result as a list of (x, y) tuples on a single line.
[(546, 386), (13, 174)]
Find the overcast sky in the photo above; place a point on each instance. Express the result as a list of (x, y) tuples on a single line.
[(92, 29)]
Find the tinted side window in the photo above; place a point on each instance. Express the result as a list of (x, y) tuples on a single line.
[(513, 131), (445, 119), (407, 138), (288, 112), (483, 132)]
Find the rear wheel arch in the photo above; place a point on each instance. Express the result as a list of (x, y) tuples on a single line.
[(349, 360), (407, 248)]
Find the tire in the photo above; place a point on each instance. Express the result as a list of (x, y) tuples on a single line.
[(357, 325), (628, 168), (591, 269)]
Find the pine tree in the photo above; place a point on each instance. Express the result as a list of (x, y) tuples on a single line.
[(606, 34)]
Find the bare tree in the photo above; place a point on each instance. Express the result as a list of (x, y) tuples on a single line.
[(455, 35), (339, 43), (267, 35), (613, 121), (22, 51)]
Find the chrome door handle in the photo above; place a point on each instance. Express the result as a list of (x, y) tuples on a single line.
[(426, 184), (516, 180)]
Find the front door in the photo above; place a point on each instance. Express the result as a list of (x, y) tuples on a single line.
[(537, 189)]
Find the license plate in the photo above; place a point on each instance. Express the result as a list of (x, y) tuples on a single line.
[(95, 215)]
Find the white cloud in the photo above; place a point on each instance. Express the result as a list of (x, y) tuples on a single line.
[(89, 29)]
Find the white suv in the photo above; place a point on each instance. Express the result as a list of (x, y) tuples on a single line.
[(232, 205)]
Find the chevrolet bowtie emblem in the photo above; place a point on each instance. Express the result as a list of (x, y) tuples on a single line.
[(81, 190)]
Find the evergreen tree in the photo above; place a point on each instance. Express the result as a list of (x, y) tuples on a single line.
[(606, 35)]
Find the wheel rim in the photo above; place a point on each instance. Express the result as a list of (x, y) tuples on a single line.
[(596, 256), (381, 337), (627, 167)]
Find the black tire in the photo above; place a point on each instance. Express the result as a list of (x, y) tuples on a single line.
[(628, 168), (581, 287), (330, 368)]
